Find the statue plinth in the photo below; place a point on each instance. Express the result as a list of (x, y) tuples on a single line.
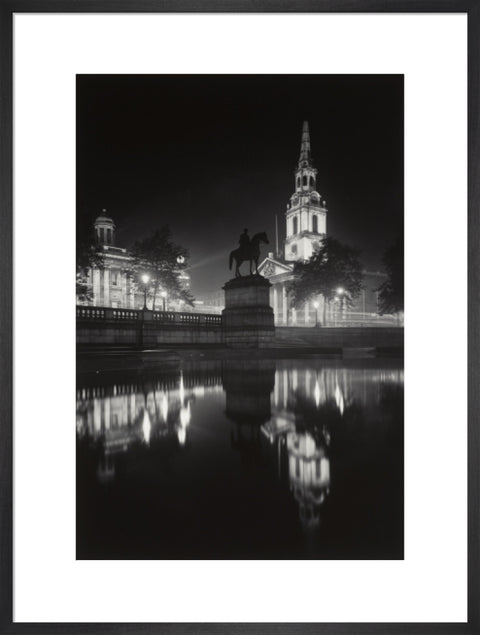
[(248, 317)]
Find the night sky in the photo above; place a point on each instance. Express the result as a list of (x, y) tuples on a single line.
[(212, 154)]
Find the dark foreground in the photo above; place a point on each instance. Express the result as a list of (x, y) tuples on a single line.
[(242, 458)]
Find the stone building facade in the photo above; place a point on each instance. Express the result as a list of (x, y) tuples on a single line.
[(112, 284)]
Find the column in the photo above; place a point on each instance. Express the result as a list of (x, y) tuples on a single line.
[(284, 303), (294, 316), (102, 289), (275, 303), (96, 287), (106, 287), (307, 316), (123, 276)]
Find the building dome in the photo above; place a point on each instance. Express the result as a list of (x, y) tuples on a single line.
[(104, 229)]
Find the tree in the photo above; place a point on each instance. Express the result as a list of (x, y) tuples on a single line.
[(87, 257), (391, 292), (332, 266), (162, 260)]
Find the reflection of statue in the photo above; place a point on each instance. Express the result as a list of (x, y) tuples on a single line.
[(248, 385), (247, 251)]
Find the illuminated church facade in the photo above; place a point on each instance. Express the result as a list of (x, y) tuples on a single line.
[(306, 226)]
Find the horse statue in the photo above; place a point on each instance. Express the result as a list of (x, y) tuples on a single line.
[(251, 253)]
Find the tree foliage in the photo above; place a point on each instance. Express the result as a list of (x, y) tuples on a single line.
[(87, 257), (332, 266), (162, 260), (391, 292)]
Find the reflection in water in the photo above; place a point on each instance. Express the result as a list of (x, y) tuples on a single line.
[(305, 431)]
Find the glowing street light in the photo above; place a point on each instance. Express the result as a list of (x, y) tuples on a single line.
[(145, 280)]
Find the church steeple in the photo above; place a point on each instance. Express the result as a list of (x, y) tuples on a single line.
[(305, 159), (306, 214), (305, 174)]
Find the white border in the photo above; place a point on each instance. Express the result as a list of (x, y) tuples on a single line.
[(430, 585)]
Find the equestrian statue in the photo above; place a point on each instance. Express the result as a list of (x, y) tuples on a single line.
[(248, 250)]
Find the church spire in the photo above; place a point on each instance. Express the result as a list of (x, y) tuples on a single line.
[(305, 159)]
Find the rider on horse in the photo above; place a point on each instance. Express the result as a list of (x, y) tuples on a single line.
[(249, 250), (244, 242)]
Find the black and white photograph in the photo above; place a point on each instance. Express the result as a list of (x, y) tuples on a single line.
[(239, 317)]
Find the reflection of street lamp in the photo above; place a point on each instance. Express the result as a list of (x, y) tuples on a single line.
[(315, 304), (145, 280), (164, 298)]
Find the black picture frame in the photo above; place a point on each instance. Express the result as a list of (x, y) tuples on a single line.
[(7, 9)]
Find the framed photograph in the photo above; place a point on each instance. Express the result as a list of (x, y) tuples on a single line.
[(255, 408)]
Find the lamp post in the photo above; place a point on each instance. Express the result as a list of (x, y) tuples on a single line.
[(164, 298), (145, 280), (315, 304)]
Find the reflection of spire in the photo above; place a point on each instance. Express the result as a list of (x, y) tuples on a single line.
[(309, 471), (182, 435)]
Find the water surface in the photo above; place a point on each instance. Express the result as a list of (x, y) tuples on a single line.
[(242, 459)]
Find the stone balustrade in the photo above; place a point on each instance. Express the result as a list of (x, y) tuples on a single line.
[(105, 314)]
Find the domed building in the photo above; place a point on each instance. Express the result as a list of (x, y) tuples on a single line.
[(111, 285)]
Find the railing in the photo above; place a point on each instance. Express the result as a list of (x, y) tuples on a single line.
[(107, 314), (164, 317), (90, 313)]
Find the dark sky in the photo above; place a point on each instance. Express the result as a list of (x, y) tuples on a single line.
[(212, 154)]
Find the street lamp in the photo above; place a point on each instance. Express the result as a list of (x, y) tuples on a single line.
[(315, 304), (145, 280), (164, 298)]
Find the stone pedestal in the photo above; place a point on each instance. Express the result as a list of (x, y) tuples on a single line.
[(248, 317)]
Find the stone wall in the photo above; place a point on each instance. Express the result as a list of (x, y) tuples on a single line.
[(128, 328), (344, 337)]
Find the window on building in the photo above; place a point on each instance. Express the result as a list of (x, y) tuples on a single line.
[(115, 278), (294, 249), (315, 224), (298, 182), (109, 236), (304, 179), (102, 235), (312, 182), (295, 225)]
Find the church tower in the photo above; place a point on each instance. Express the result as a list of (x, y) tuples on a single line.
[(306, 214)]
